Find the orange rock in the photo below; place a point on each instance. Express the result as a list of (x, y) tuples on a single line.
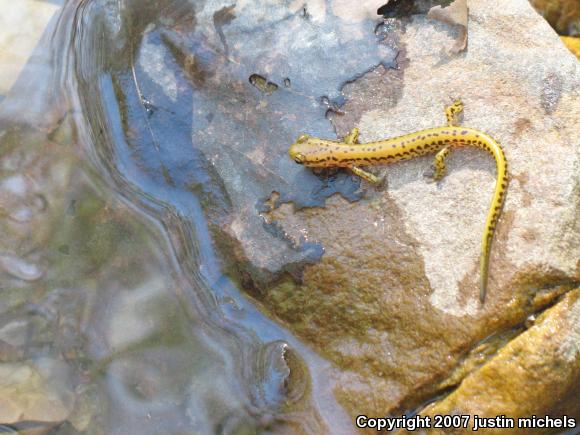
[(573, 43), (563, 15), (534, 374)]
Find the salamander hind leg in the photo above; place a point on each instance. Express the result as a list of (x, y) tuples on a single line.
[(438, 168), (453, 112), (352, 136)]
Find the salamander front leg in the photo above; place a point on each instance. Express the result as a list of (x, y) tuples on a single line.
[(453, 112), (352, 137), (438, 166), (371, 178)]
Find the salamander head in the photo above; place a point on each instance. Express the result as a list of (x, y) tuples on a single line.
[(305, 151)]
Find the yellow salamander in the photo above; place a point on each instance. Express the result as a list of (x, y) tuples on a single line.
[(348, 153)]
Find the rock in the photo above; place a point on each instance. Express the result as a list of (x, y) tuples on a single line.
[(26, 56), (19, 267), (563, 15), (249, 128), (541, 365), (15, 333), (34, 392), (573, 43), (393, 302)]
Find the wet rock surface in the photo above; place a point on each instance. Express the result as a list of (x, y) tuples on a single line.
[(221, 92)]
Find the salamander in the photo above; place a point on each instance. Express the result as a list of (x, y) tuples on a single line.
[(348, 153)]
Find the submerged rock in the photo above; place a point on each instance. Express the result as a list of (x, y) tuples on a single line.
[(19, 267), (36, 392)]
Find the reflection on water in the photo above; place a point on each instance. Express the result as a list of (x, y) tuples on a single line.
[(113, 293)]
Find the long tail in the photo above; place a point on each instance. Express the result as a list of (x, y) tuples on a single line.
[(497, 200)]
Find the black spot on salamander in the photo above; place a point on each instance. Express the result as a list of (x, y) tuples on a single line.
[(464, 132), (394, 146)]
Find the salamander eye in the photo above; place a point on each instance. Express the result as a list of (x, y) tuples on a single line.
[(302, 138), (299, 158)]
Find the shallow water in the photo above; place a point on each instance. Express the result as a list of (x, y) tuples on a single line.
[(139, 132)]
